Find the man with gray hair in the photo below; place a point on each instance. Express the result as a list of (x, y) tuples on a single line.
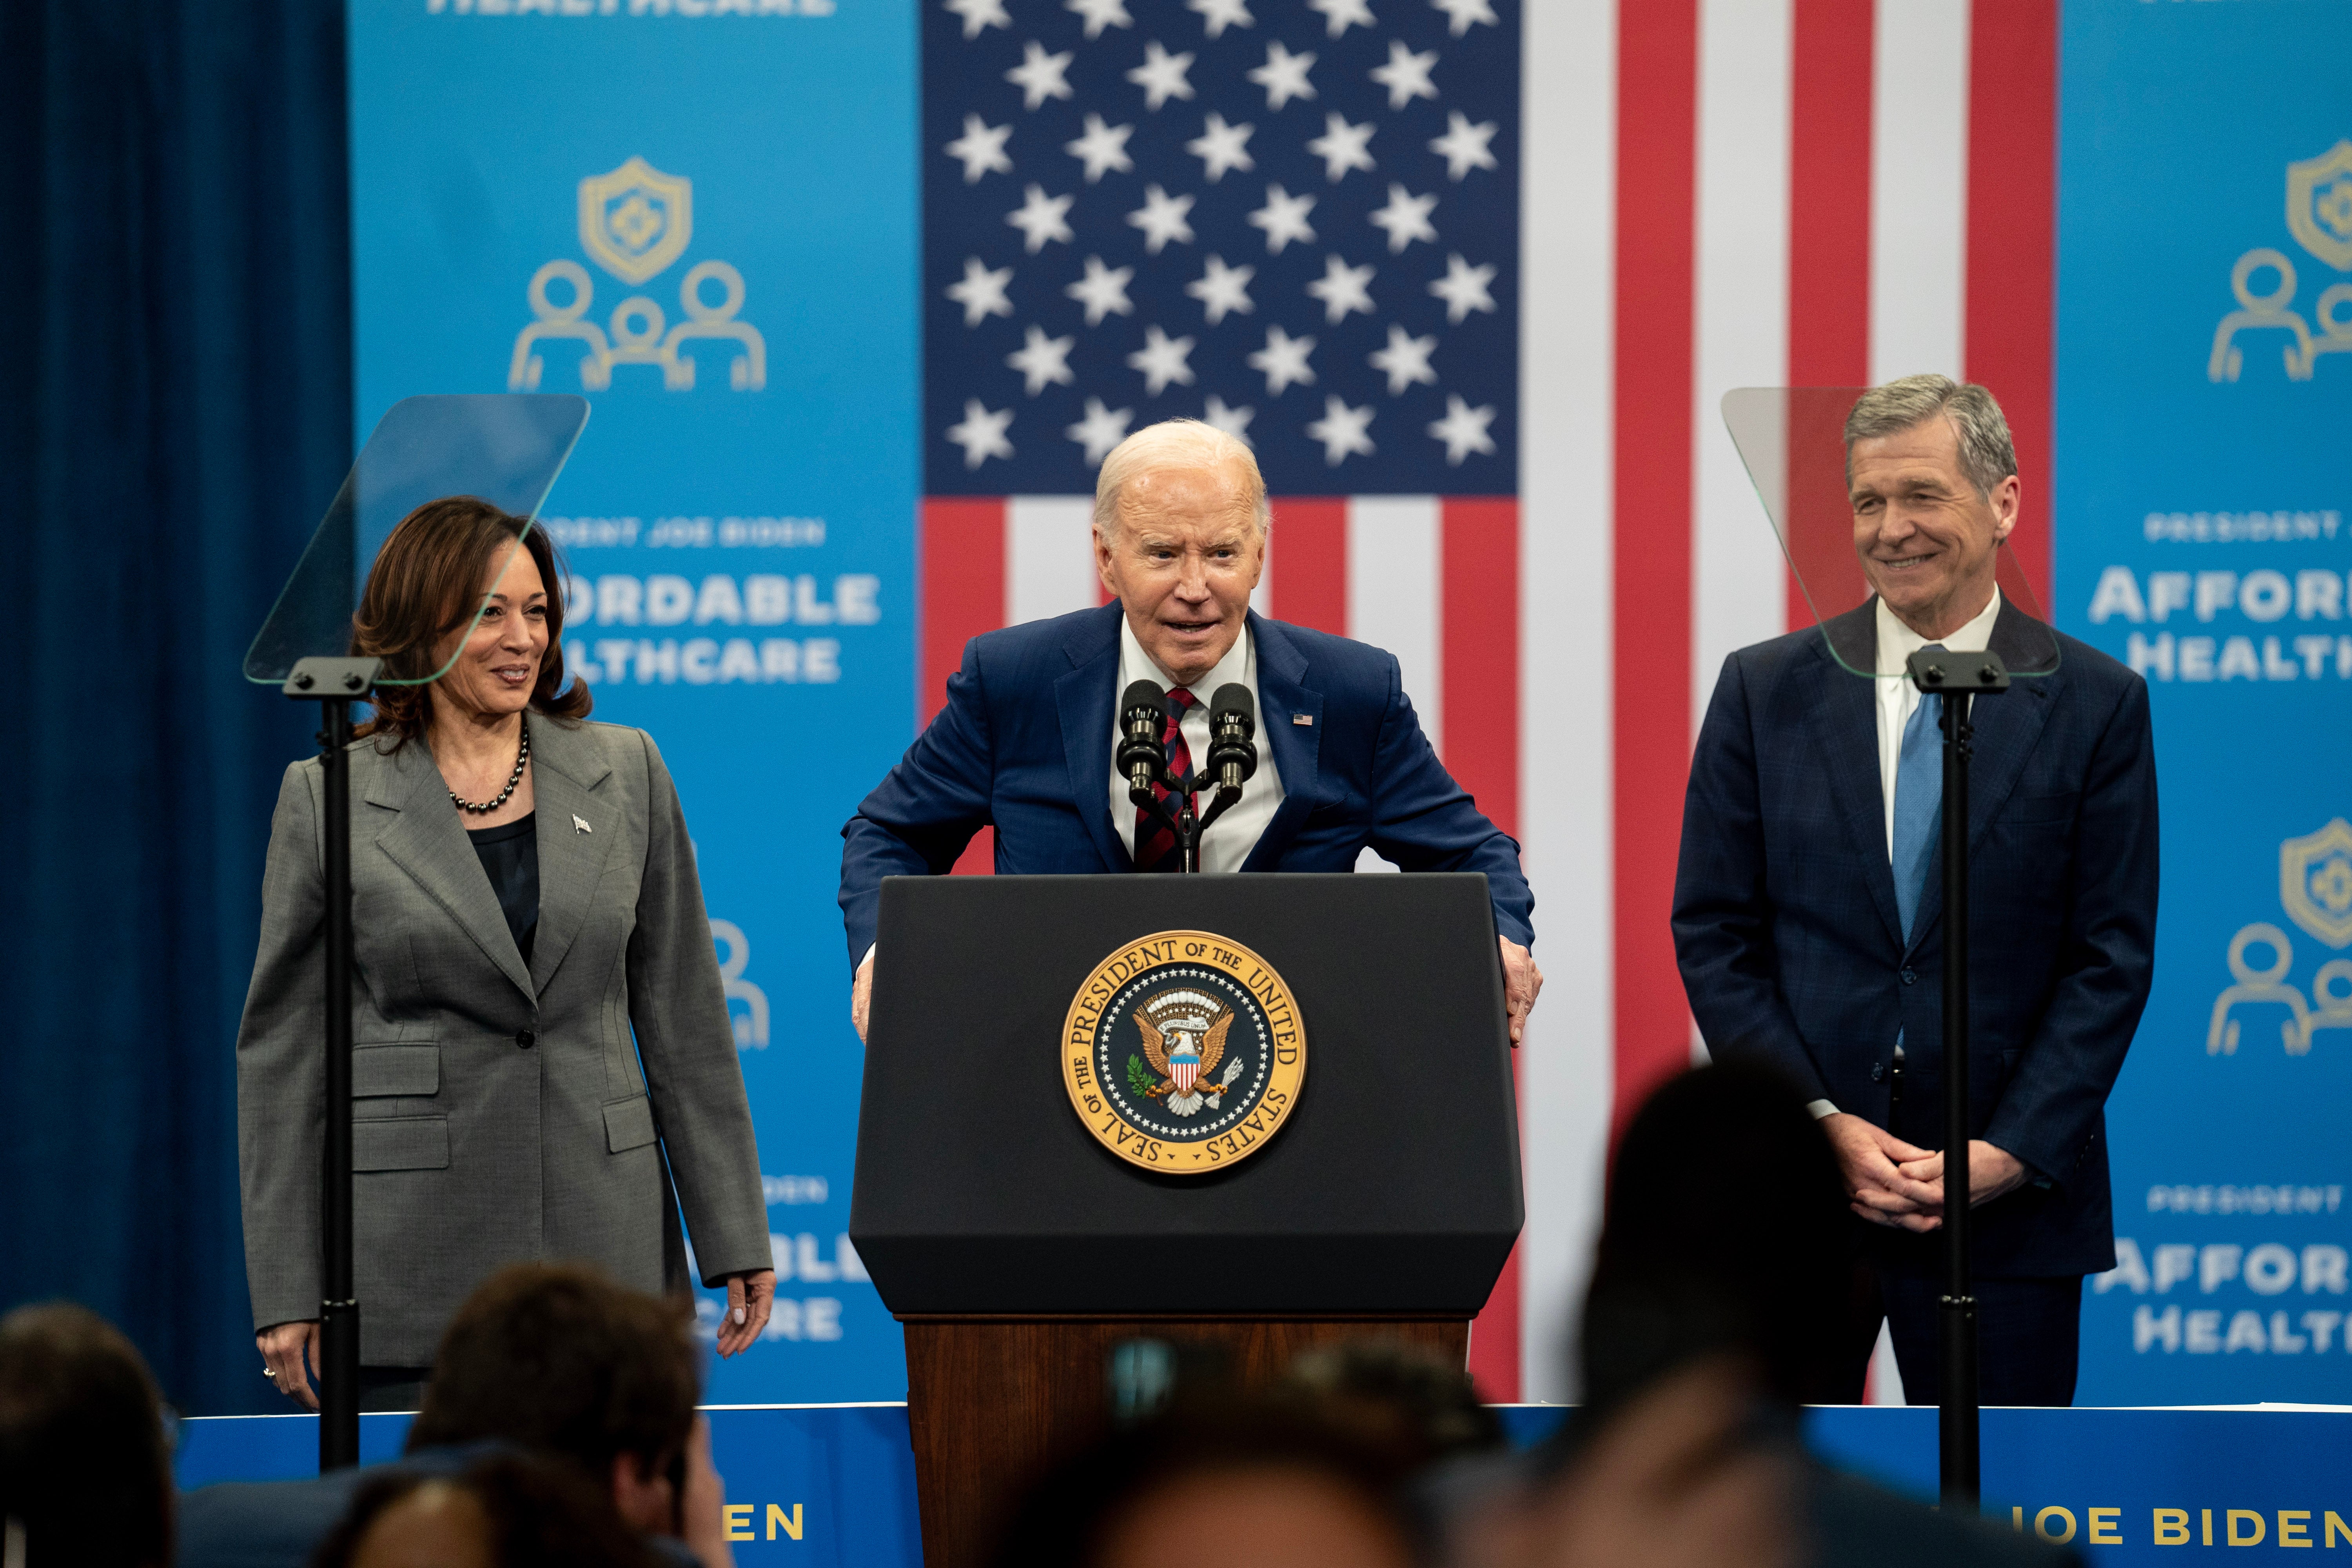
[(1026, 743), (1808, 899)]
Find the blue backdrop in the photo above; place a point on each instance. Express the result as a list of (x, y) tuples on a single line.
[(2203, 415)]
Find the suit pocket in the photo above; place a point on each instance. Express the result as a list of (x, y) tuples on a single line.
[(401, 1143), (629, 1124), (395, 1069)]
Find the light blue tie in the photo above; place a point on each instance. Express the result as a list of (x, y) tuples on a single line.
[(1919, 802)]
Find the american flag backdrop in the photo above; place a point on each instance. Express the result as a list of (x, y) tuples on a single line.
[(1584, 220)]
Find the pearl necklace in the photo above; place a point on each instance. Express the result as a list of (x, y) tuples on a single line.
[(522, 759)]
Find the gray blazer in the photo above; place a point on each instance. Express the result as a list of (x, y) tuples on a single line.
[(501, 1114)]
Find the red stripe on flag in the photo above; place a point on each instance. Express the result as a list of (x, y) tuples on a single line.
[(2012, 211), (962, 595), (1308, 552), (1478, 620), (1829, 231), (1657, 113)]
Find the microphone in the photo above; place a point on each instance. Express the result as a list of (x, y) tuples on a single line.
[(1142, 713), (1233, 728)]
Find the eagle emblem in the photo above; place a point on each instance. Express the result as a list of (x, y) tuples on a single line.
[(1183, 1040)]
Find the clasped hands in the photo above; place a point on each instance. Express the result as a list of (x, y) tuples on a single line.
[(1893, 1184)]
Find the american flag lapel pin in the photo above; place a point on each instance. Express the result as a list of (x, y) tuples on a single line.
[(581, 822), (1305, 721)]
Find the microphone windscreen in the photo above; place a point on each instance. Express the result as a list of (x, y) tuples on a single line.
[(1233, 698), (1143, 694)]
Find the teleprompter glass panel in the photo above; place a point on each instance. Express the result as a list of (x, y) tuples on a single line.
[(1793, 442), (505, 448)]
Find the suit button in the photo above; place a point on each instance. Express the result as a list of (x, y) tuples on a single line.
[(1909, 976), (525, 1038), (1877, 1072)]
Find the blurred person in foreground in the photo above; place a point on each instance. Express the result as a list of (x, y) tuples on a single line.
[(1416, 1415), (503, 1510), (553, 1360), (1700, 1339), (540, 1031), (85, 1462)]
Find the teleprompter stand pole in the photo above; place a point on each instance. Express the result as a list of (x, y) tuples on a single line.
[(1958, 678), (335, 684)]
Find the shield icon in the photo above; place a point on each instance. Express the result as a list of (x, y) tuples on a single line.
[(2319, 207), (1184, 1064), (635, 220), (2316, 882)]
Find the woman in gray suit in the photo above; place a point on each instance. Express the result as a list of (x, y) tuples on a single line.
[(538, 1017)]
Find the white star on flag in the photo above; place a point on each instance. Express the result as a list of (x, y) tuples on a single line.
[(1161, 219), (1463, 289), (1338, 13), (982, 292), (1161, 359), (1406, 76), (1342, 146), (1462, 13), (1463, 429), (1463, 145), (1405, 360), (1284, 77), (1222, 289), (981, 148), (1039, 74), (1284, 362), (1233, 422), (981, 434), (1219, 147), (979, 13), (1216, 16), (1284, 218), (1041, 360), (1100, 431), (1041, 218), (1101, 14), (1341, 289), (1161, 76), (1342, 430), (1102, 147), (1103, 290), (1406, 219)]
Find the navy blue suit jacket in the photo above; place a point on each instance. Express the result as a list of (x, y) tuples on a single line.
[(1024, 743), (1792, 950)]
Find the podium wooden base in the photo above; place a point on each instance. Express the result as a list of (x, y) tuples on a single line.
[(992, 1401)]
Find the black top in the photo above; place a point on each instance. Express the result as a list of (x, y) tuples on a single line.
[(510, 857)]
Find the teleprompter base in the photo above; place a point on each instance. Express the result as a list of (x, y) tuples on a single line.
[(993, 1400)]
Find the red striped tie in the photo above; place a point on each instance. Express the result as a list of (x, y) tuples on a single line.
[(1156, 848)]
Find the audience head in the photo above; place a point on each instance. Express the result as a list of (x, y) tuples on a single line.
[(558, 1359), (85, 1467), (1409, 1406), (506, 1510), (1725, 1231)]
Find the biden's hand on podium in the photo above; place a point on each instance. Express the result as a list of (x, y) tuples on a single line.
[(1872, 1163), (1992, 1172), (751, 1297), (1522, 982), (861, 995), (283, 1347)]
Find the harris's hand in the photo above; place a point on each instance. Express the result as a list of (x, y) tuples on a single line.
[(1872, 1160), (1522, 982), (283, 1347), (751, 1297), (861, 995), (1992, 1172)]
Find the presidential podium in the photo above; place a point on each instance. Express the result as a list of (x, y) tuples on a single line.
[(1268, 1111)]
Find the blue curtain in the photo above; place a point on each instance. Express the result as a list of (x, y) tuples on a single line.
[(175, 416)]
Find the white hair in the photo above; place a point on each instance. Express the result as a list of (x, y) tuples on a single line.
[(1176, 443)]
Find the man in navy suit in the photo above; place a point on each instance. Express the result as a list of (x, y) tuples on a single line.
[(1809, 895), (1026, 739)]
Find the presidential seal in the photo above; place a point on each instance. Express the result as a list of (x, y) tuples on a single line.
[(1182, 1052)]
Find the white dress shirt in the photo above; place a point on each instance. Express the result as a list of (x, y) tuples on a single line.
[(1229, 840), (1898, 700)]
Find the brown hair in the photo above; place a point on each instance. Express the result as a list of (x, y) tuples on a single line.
[(425, 584), (557, 1357), (84, 1468)]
